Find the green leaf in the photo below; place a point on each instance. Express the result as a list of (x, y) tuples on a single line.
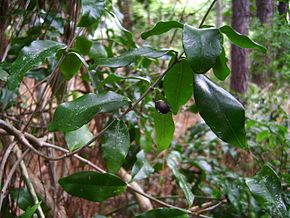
[(24, 200), (161, 27), (117, 78), (202, 47), (164, 212), (83, 45), (92, 10), (173, 158), (93, 186), (115, 145), (240, 40), (266, 188), (77, 138), (141, 169), (30, 211), (3, 75), (30, 56), (131, 56), (178, 85), (70, 65), (97, 51), (164, 130), (72, 115), (221, 69), (224, 114)]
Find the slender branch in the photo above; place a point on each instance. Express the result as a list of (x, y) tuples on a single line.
[(206, 14)]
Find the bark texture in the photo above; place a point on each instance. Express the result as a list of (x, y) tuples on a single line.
[(239, 56)]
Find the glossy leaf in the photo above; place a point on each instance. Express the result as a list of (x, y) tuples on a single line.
[(97, 51), (3, 75), (77, 138), (161, 27), (173, 158), (24, 200), (93, 186), (117, 78), (131, 56), (83, 45), (221, 69), (71, 65), (240, 40), (72, 115), (115, 145), (30, 211), (202, 47), (266, 188), (178, 85), (141, 169), (30, 56), (91, 12), (164, 130), (224, 114), (164, 212)]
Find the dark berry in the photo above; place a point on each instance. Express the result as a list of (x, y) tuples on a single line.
[(162, 107)]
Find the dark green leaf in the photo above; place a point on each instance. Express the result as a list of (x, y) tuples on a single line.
[(178, 85), (161, 27), (202, 47), (224, 114), (70, 65), (240, 40), (116, 78), (164, 130), (30, 56), (93, 186), (163, 212), (77, 138), (97, 51), (131, 56), (221, 69), (173, 158), (266, 188), (38, 74), (115, 145), (91, 12), (141, 169), (72, 115), (30, 211), (83, 45)]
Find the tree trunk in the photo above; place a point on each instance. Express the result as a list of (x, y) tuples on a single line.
[(219, 14), (283, 9), (239, 56), (265, 12), (4, 21)]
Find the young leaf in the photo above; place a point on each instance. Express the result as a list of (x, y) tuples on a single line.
[(129, 57), (164, 212), (240, 40), (164, 130), (93, 186), (161, 27), (202, 47), (91, 12), (30, 56), (83, 45), (172, 158), (266, 188), (3, 75), (178, 85), (72, 115), (77, 138), (115, 145), (70, 65), (221, 69), (224, 114), (30, 211), (141, 169)]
